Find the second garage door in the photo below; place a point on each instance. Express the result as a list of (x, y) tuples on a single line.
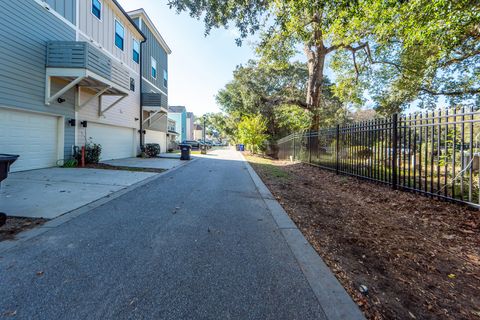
[(159, 137), (116, 142), (33, 136)]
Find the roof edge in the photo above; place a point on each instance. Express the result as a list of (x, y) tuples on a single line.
[(129, 18), (142, 13)]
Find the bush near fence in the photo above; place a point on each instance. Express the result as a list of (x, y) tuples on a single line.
[(434, 153)]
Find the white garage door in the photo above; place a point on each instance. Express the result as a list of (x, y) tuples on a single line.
[(152, 136), (116, 142), (30, 135)]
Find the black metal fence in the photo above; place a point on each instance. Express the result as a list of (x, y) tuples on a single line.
[(434, 153)]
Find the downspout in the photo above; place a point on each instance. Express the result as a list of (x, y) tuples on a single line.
[(142, 136)]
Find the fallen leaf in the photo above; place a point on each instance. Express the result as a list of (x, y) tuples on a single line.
[(452, 276)]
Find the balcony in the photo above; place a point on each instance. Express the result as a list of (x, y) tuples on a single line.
[(81, 64), (154, 100)]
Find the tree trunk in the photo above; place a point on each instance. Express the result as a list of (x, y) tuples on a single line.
[(316, 65)]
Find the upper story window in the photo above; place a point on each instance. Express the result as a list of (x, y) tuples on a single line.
[(165, 78), (97, 9), (119, 35), (136, 51), (154, 68)]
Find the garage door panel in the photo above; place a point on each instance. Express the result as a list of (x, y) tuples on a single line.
[(159, 137), (116, 142), (32, 136)]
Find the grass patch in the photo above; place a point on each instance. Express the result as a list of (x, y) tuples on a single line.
[(266, 166)]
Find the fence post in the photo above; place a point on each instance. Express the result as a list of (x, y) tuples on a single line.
[(310, 146), (337, 151), (294, 147), (394, 150)]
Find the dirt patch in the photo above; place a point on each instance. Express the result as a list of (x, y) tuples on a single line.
[(134, 169), (418, 257), (15, 225)]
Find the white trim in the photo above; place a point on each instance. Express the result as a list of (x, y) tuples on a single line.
[(153, 85), (45, 5), (101, 10), (115, 34), (133, 49), (77, 29), (152, 59)]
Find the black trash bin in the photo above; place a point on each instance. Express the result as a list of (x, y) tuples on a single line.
[(6, 161), (185, 149)]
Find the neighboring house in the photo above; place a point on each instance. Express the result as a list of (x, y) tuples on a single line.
[(198, 132), (68, 63), (179, 114), (172, 134), (154, 86), (190, 125)]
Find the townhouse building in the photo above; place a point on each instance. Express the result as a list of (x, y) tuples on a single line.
[(190, 125), (70, 75), (154, 82), (179, 114)]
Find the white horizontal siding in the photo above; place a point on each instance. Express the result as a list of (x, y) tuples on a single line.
[(103, 31)]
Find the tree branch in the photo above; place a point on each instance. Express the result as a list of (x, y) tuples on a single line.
[(451, 93), (276, 101)]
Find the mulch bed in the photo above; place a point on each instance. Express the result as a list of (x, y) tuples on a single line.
[(110, 167), (418, 257), (16, 225)]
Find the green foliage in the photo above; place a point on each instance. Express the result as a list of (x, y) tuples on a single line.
[(92, 152), (251, 132), (152, 150)]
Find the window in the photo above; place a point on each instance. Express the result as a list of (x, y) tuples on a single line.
[(119, 35), (132, 84), (136, 51), (165, 78), (154, 68), (97, 9)]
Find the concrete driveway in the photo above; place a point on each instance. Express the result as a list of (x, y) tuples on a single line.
[(49, 193)]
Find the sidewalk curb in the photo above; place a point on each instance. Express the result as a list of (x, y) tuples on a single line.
[(24, 236), (334, 300)]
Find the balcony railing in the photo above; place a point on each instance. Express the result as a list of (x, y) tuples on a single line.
[(154, 100), (83, 55)]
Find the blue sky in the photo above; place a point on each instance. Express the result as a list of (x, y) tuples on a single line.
[(199, 66)]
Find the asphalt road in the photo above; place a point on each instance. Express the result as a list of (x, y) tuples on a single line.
[(197, 243)]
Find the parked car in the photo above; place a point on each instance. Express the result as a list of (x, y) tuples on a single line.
[(193, 143)]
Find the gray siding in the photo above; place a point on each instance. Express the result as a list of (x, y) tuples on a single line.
[(23, 52), (152, 48), (78, 54), (148, 88), (67, 8)]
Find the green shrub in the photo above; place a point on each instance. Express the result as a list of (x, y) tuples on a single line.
[(152, 150), (92, 152)]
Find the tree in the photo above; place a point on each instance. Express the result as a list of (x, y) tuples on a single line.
[(318, 26), (251, 132), (397, 50), (422, 50), (274, 92)]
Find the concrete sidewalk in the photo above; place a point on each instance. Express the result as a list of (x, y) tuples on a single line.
[(200, 242)]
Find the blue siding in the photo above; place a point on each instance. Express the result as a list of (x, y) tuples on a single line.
[(23, 52)]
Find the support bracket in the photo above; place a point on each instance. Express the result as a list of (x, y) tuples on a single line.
[(48, 87), (101, 111), (98, 94)]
